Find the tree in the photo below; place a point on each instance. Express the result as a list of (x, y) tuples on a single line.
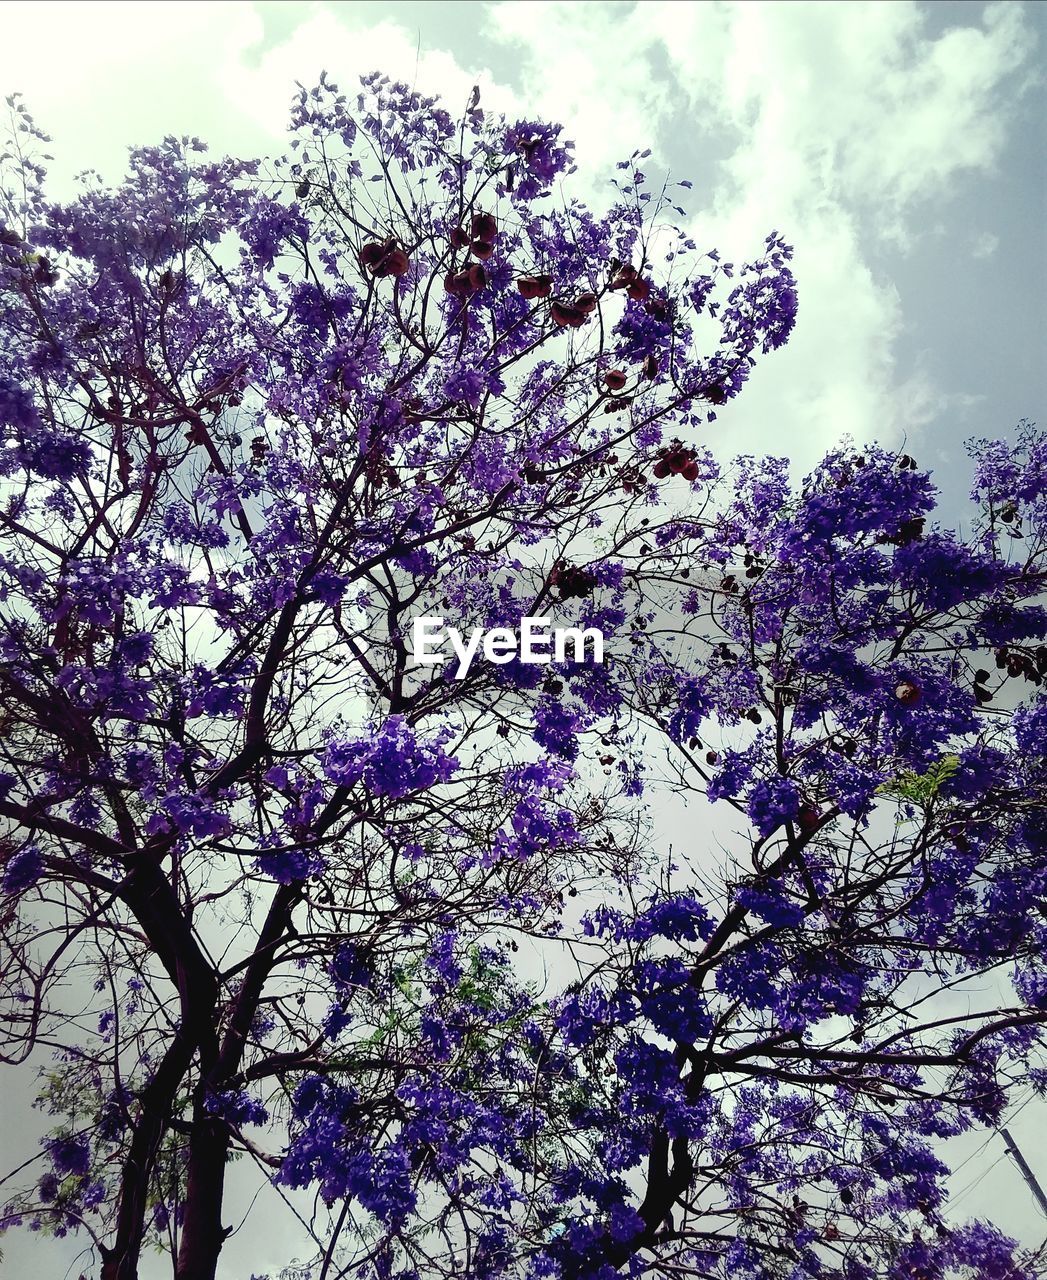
[(404, 937)]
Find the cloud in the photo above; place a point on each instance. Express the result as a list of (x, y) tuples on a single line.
[(590, 66), (346, 46), (105, 76), (847, 103), (844, 124), (101, 77), (985, 244)]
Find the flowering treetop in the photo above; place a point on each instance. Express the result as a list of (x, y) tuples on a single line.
[(273, 890)]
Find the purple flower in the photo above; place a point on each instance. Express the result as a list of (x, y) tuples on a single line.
[(771, 903), (288, 866), (70, 1155), (556, 728), (465, 384), (237, 1106), (773, 802), (268, 226), (197, 816), (680, 918), (17, 409), (351, 967), (136, 649), (23, 869), (393, 761)]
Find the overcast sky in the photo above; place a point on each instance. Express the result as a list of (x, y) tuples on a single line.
[(899, 146)]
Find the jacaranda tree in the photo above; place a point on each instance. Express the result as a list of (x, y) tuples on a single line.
[(460, 958)]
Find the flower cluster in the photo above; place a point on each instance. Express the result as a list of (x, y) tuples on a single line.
[(392, 762)]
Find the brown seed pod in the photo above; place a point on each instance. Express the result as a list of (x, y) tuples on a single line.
[(532, 287), (371, 254), (396, 263), (807, 817), (624, 277), (484, 226), (567, 317)]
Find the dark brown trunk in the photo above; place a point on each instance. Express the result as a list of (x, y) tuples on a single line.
[(121, 1261), (158, 911), (202, 1232)]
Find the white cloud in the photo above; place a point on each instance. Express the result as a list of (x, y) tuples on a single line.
[(851, 102), (847, 121), (985, 244), (100, 77), (104, 76), (587, 66), (346, 48)]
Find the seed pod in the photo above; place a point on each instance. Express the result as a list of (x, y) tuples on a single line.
[(532, 287), (371, 254), (484, 226), (396, 263), (618, 404), (567, 317), (615, 379), (807, 817)]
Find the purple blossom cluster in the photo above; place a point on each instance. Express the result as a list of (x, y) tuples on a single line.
[(392, 762)]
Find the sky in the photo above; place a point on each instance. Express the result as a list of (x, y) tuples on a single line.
[(899, 146)]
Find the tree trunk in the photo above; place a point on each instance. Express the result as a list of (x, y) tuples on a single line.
[(202, 1232), (121, 1261)]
